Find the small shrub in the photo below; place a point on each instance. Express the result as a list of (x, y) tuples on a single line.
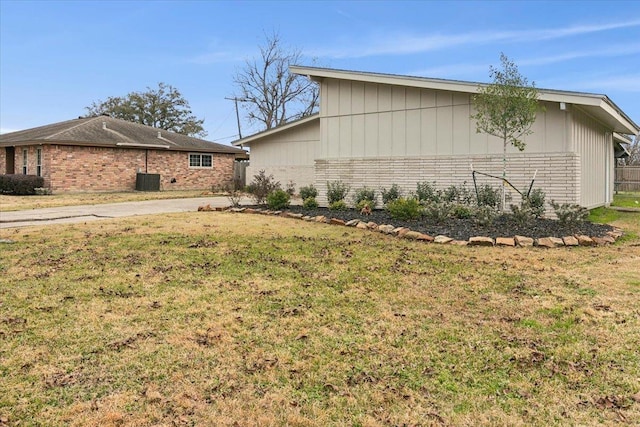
[(308, 191), (391, 194), (488, 196), (484, 215), (427, 192), (570, 214), (291, 188), (365, 203), (310, 203), (365, 194), (19, 184), (457, 194), (405, 209), (523, 213), (437, 211), (336, 191), (536, 202), (459, 210), (261, 186), (278, 200), (234, 197), (338, 205)]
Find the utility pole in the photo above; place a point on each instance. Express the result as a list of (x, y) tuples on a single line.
[(235, 100)]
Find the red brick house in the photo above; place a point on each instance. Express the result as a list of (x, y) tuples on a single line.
[(106, 154)]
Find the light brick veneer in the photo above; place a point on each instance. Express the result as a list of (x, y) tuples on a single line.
[(558, 173)]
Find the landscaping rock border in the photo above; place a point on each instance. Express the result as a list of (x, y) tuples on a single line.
[(406, 233)]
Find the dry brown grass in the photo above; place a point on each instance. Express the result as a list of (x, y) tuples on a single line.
[(223, 319), (15, 203)]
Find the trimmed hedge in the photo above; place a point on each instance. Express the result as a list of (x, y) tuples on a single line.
[(19, 184)]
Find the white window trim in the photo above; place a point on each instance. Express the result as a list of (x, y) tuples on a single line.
[(25, 161), (39, 161), (200, 155)]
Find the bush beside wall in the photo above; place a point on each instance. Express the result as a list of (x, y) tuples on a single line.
[(19, 184)]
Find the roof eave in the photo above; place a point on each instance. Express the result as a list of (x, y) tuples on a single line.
[(608, 112), (257, 136)]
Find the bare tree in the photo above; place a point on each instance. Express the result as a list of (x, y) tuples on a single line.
[(269, 93), (634, 153)]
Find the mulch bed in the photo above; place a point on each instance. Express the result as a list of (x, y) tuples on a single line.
[(464, 229)]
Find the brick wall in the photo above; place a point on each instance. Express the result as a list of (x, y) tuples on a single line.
[(79, 169), (3, 160), (558, 173), (32, 161)]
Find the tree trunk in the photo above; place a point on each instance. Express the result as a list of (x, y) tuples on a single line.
[(504, 174)]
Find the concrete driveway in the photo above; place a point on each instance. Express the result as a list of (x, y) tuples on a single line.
[(83, 213)]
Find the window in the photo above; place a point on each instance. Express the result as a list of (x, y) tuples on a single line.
[(200, 161), (39, 162), (25, 159)]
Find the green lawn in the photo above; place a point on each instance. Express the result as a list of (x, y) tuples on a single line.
[(627, 200), (237, 319)]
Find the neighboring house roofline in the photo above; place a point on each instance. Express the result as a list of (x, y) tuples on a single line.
[(105, 131), (624, 139), (598, 105), (268, 132)]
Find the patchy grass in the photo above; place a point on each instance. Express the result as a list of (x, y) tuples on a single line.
[(627, 200), (15, 203), (223, 319)]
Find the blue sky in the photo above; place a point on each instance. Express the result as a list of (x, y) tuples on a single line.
[(57, 57)]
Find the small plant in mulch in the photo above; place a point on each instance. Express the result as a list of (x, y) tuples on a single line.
[(308, 191), (278, 200), (261, 186), (391, 194), (336, 191), (427, 192), (291, 188), (310, 203), (364, 195), (405, 209), (338, 205), (569, 214)]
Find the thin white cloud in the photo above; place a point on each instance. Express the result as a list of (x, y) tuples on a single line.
[(568, 56), (472, 69), (623, 83), (402, 43)]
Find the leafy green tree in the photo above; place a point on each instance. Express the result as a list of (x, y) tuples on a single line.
[(506, 109), (162, 108)]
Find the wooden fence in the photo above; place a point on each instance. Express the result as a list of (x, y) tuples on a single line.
[(627, 178)]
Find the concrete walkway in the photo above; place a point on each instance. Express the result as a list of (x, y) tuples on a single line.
[(83, 213)]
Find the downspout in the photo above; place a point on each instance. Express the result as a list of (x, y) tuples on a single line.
[(146, 161)]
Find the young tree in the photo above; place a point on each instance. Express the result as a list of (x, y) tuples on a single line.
[(163, 108), (267, 91), (506, 109)]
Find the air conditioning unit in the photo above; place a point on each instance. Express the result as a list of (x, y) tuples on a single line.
[(147, 181)]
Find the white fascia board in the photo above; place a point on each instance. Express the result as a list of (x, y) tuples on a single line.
[(611, 109), (390, 79)]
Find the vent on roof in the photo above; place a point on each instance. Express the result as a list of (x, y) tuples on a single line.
[(104, 125), (159, 134)]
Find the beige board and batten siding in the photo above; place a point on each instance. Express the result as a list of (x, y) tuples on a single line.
[(376, 135), (594, 144), (288, 155)]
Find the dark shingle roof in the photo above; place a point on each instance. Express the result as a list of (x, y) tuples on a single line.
[(111, 132)]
